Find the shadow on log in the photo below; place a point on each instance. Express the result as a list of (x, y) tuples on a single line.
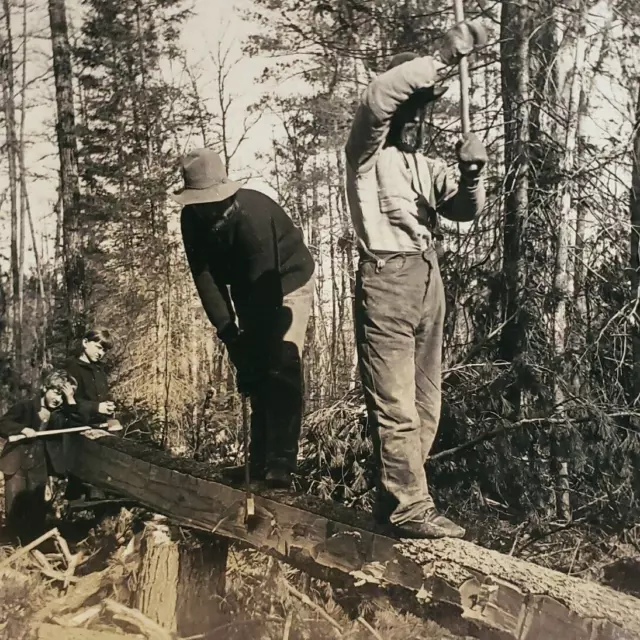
[(463, 586)]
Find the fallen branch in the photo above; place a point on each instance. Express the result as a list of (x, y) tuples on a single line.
[(137, 618), (78, 619), (71, 568), (369, 628), (85, 588), (307, 600), (62, 545), (525, 421), (23, 551), (46, 569), (287, 626)]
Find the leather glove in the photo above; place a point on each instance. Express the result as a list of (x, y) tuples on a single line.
[(471, 154), (461, 40)]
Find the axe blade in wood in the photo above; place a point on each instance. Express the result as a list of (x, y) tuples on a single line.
[(249, 505)]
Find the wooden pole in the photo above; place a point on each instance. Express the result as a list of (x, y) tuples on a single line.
[(463, 68)]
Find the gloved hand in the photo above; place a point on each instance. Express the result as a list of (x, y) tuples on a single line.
[(471, 154), (461, 40)]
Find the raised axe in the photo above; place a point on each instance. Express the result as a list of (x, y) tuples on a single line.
[(463, 70), (111, 425)]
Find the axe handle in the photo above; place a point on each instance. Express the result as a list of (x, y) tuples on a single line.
[(51, 432), (463, 68), (114, 426), (249, 503)]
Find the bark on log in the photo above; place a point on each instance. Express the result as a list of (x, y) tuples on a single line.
[(498, 596), (179, 582)]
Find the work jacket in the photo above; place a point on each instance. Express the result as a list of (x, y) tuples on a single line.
[(93, 388), (385, 184), (38, 456), (247, 266)]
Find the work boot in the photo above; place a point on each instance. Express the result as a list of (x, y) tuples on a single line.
[(235, 475), (432, 525), (278, 478)]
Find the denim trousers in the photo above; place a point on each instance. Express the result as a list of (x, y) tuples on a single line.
[(399, 320)]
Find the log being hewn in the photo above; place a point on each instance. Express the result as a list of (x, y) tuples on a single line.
[(498, 596)]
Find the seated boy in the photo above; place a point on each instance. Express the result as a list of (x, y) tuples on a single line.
[(27, 464), (95, 405)]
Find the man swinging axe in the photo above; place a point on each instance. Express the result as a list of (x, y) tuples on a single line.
[(395, 195), (249, 262)]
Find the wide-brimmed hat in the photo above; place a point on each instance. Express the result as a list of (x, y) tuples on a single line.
[(205, 179), (425, 95)]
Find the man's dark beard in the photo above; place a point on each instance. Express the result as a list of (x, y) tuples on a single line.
[(406, 136)]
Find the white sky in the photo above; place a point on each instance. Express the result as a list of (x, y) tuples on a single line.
[(213, 21)]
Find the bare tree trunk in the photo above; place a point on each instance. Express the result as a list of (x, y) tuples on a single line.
[(579, 333), (24, 196), (635, 251), (514, 39), (8, 95), (561, 267), (72, 232)]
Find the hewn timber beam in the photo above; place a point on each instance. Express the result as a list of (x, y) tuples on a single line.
[(496, 595)]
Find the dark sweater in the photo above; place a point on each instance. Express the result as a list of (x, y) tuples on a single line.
[(258, 257), (93, 388), (29, 455)]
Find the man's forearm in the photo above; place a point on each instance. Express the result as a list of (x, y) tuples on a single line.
[(468, 201)]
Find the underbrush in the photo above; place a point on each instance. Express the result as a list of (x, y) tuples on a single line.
[(264, 599)]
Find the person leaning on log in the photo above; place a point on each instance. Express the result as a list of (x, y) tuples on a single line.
[(395, 195), (245, 253), (27, 464), (95, 403), (93, 397)]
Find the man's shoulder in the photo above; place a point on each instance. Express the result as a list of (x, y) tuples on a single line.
[(23, 407), (252, 198), (72, 364)]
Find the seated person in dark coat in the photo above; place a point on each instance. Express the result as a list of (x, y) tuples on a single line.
[(27, 464)]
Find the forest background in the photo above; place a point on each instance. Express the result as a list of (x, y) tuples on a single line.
[(541, 423)]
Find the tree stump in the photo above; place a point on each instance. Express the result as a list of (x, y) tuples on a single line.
[(180, 581)]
